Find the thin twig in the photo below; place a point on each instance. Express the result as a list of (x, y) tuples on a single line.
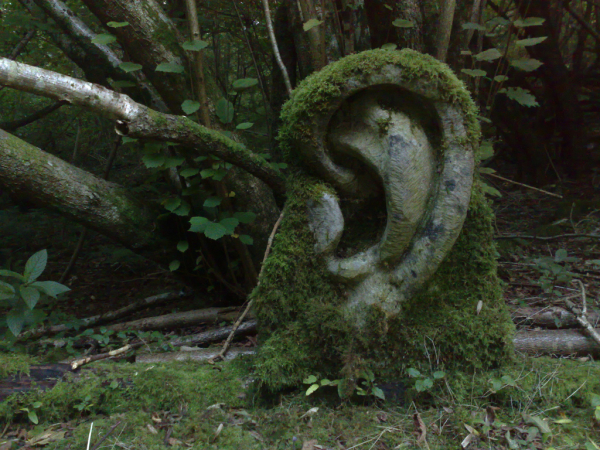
[(584, 23), (286, 77), (108, 433), (249, 305), (524, 185), (582, 315)]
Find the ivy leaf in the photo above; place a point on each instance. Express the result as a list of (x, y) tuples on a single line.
[(194, 46), (173, 161), (215, 231), (15, 321), (531, 41), (129, 66), (174, 265), (170, 68), (474, 72), (246, 239), (245, 217), (244, 126), (224, 110), (522, 96), (190, 106), (153, 160), (117, 24), (182, 246), (311, 24), (198, 224), (184, 209), (103, 39), (527, 64), (488, 55), (51, 288), (244, 83), (473, 26), (35, 265), (529, 22), (403, 23), (212, 202), (30, 296)]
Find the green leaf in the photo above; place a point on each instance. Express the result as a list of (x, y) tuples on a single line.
[(184, 209), (500, 78), (51, 288), (173, 161), (439, 374), (172, 204), (230, 223), (124, 84), (224, 110), (531, 41), (311, 24), (244, 83), (245, 217), (103, 39), (474, 72), (6, 291), (10, 273), (473, 26), (413, 373), (212, 202), (198, 224), (35, 265), (486, 151), (194, 46), (244, 126), (311, 379), (486, 170), (174, 265), (15, 320), (526, 64), (245, 239), (215, 231), (129, 66), (522, 96), (560, 255), (207, 173), (182, 246), (170, 68), (389, 46), (312, 389), (529, 22), (190, 106), (488, 55), (403, 23), (189, 172), (490, 190), (30, 296), (117, 24), (377, 392), (153, 160), (33, 417)]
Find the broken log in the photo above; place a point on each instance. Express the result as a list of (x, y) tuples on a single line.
[(200, 355), (214, 335), (556, 343), (551, 317)]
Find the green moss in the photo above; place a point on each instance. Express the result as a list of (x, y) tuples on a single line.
[(11, 364), (459, 316)]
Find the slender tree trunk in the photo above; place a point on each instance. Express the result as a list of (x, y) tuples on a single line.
[(445, 29)]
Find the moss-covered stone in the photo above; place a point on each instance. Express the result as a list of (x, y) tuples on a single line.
[(457, 321)]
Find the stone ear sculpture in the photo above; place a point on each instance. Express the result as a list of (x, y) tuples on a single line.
[(393, 133)]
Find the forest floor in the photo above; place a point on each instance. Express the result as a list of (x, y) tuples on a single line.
[(541, 403)]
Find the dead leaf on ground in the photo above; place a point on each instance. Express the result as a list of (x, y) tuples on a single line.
[(309, 445), (420, 428)]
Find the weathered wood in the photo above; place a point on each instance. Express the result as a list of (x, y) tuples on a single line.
[(198, 355), (556, 343), (552, 317)]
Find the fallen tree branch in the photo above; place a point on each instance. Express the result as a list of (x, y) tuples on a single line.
[(550, 317), (556, 343), (204, 354), (548, 238), (524, 185), (111, 354), (109, 316), (136, 120), (180, 319), (215, 335)]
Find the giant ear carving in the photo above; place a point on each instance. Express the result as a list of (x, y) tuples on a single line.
[(400, 129)]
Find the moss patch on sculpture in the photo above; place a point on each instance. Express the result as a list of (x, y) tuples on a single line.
[(303, 331)]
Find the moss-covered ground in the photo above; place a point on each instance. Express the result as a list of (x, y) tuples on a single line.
[(529, 404)]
